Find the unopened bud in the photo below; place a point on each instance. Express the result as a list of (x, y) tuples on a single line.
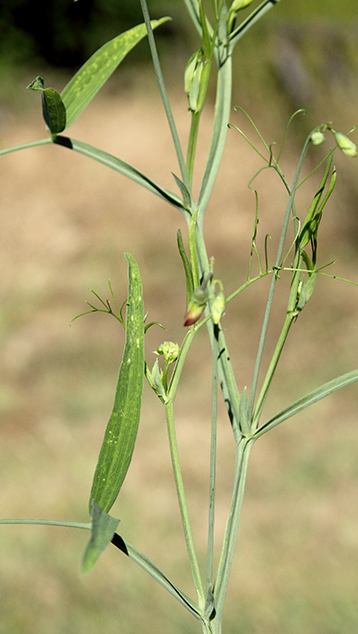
[(317, 137), (218, 307), (199, 299), (345, 144), (192, 79), (239, 4), (169, 350)]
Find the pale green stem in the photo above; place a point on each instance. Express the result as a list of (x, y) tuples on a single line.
[(271, 370), (193, 137), (212, 482), (220, 128), (274, 278), (64, 523), (164, 95), (183, 504), (232, 525), (226, 375), (24, 146)]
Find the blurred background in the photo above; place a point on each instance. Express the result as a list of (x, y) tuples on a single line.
[(65, 225)]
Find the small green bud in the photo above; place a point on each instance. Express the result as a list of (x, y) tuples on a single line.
[(169, 350), (157, 380), (190, 70), (192, 79), (317, 137), (236, 5), (345, 144), (218, 307)]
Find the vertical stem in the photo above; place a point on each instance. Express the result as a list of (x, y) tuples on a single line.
[(226, 374), (274, 277), (183, 503), (164, 95), (218, 139), (232, 525), (271, 369), (193, 137), (212, 483)]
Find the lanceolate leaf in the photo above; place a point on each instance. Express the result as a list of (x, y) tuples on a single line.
[(95, 72), (122, 167), (309, 399), (102, 530), (120, 436)]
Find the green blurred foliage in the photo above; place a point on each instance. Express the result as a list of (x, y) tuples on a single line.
[(64, 33)]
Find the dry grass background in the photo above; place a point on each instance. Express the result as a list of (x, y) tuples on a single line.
[(65, 224)]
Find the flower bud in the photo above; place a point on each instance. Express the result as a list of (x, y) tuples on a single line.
[(239, 4), (193, 313), (345, 144), (218, 307), (317, 137), (199, 299), (169, 350), (192, 79)]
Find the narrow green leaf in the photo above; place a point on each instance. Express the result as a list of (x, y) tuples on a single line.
[(120, 436), (147, 565), (122, 167), (53, 109), (85, 84), (102, 530), (187, 268), (312, 397), (184, 191)]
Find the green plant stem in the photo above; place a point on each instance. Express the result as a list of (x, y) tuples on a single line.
[(232, 525), (86, 526), (135, 555), (164, 95), (274, 279), (184, 349), (169, 413), (226, 375), (271, 369), (212, 481), (24, 146), (220, 128), (193, 137)]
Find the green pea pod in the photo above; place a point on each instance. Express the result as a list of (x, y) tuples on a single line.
[(120, 436)]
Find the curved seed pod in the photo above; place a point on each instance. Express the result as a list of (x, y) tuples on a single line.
[(120, 436)]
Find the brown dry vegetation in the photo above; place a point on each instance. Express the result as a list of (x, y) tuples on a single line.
[(65, 224)]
